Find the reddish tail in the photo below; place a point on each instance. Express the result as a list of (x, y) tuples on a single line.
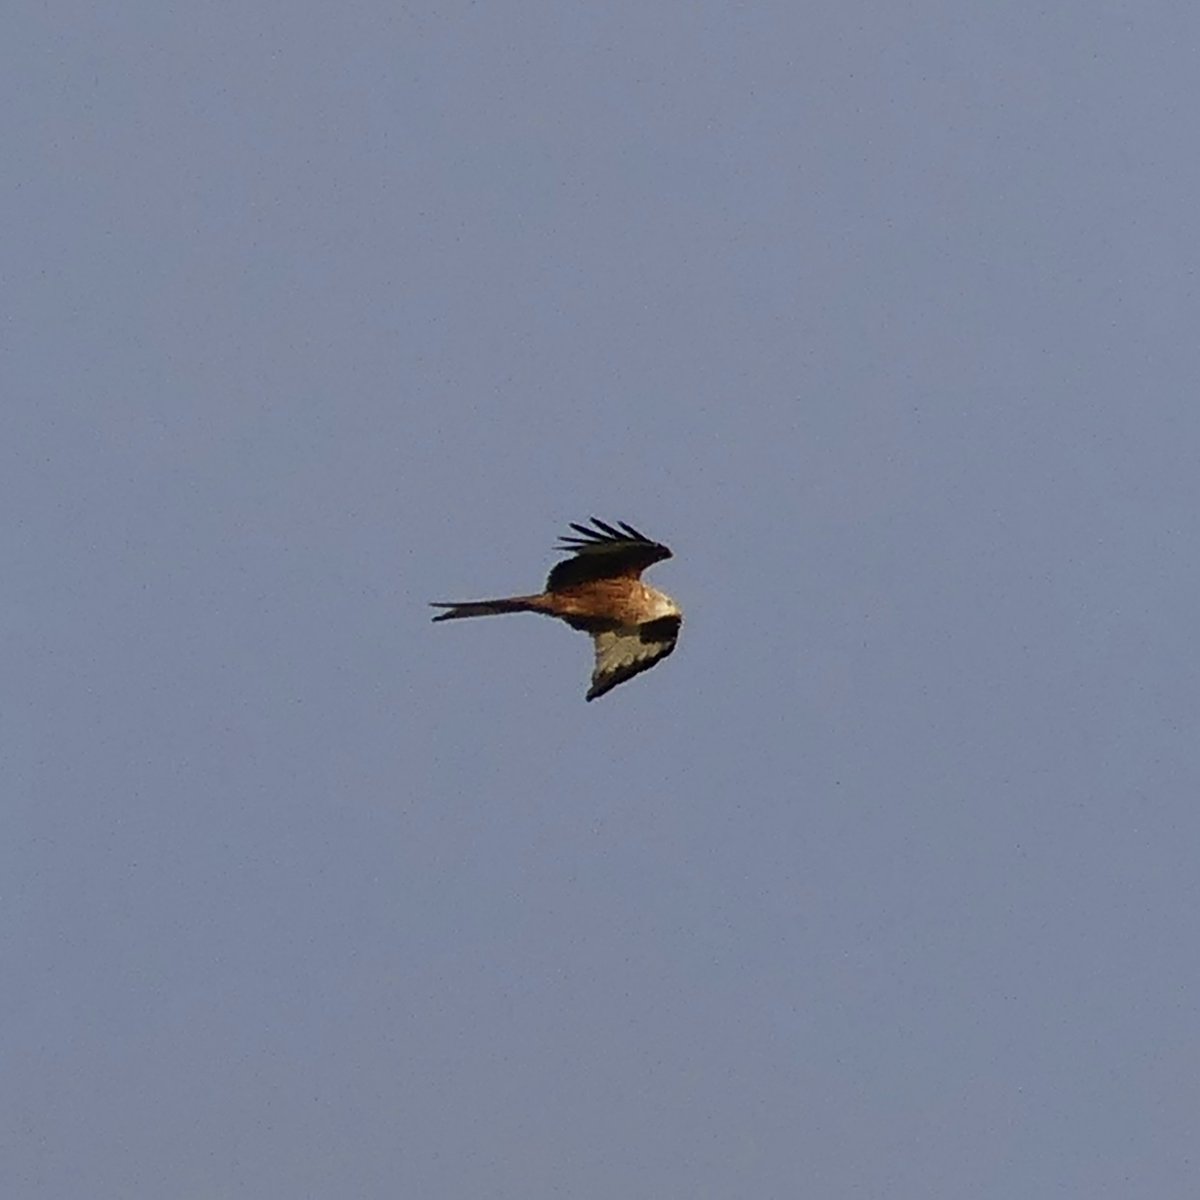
[(487, 608)]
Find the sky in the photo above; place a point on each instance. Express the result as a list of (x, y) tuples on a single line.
[(884, 317)]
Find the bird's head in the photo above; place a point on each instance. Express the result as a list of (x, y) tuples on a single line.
[(664, 606)]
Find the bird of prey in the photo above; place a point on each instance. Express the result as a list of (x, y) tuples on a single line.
[(599, 590)]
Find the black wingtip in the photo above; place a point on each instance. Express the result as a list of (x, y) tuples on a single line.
[(601, 533)]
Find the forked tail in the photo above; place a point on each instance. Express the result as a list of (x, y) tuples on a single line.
[(486, 608)]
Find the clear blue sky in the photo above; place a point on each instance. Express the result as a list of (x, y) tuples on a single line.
[(884, 316)]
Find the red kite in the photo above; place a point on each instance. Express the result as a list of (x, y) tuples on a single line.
[(600, 590)]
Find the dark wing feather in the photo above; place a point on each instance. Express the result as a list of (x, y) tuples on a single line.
[(604, 552), (623, 653)]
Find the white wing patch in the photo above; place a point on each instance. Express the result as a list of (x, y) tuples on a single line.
[(625, 652)]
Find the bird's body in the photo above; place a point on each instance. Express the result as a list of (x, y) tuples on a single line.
[(599, 590)]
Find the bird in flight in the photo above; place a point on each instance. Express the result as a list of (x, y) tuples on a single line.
[(599, 589)]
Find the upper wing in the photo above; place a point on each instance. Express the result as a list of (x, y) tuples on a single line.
[(604, 553), (623, 653)]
